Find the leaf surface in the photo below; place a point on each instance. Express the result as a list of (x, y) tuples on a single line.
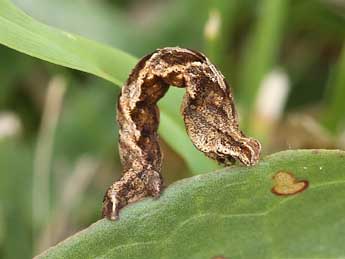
[(231, 213)]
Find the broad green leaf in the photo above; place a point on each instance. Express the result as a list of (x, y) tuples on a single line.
[(21, 32), (231, 213)]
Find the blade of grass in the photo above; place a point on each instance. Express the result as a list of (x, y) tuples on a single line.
[(212, 31), (43, 155), (70, 194), (218, 30), (22, 33), (334, 113), (2, 224), (260, 53)]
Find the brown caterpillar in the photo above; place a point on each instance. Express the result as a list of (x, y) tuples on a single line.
[(209, 114)]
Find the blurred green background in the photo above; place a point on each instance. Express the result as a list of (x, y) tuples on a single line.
[(285, 61)]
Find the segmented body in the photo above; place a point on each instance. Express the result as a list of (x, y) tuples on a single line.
[(208, 111)]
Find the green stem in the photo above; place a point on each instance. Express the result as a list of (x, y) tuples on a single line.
[(334, 112), (261, 53)]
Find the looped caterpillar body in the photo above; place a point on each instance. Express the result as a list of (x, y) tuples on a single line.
[(208, 111)]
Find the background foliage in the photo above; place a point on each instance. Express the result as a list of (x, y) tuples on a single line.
[(299, 42)]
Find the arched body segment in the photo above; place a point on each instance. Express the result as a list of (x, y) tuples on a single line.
[(208, 111)]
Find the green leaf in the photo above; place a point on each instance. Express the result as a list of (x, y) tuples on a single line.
[(21, 32), (232, 213)]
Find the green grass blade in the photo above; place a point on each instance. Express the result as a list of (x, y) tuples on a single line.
[(230, 213), (261, 51), (334, 113), (22, 33), (218, 32)]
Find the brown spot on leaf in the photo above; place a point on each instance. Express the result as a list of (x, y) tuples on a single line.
[(287, 184), (219, 257)]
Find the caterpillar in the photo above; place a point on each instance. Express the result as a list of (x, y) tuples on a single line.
[(208, 111)]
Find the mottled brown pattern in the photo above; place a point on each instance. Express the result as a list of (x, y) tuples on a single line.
[(208, 111)]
